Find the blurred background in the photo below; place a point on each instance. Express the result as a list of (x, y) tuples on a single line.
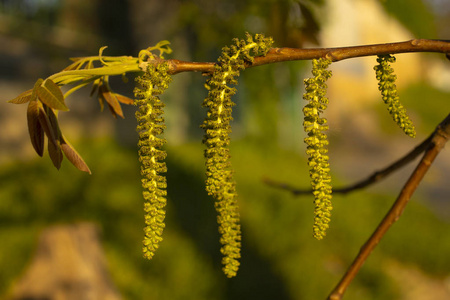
[(280, 258)]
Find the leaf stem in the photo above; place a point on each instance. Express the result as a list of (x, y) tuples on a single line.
[(71, 76)]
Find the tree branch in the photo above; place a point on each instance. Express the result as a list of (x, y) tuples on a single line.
[(375, 177), (335, 54), (440, 137)]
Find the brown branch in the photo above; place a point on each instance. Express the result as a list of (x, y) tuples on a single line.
[(177, 66), (335, 54), (440, 137), (375, 177)]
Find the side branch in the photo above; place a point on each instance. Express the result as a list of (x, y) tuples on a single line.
[(440, 137), (334, 54), (375, 177)]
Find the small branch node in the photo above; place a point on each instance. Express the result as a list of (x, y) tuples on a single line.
[(416, 42)]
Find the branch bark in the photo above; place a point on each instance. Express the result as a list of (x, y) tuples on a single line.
[(335, 54), (440, 137)]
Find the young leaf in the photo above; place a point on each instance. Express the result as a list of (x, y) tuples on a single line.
[(22, 98), (123, 99), (34, 128), (101, 102), (77, 64), (45, 123), (73, 156), (112, 101), (95, 88), (54, 125), (50, 94), (95, 85), (36, 85), (55, 153)]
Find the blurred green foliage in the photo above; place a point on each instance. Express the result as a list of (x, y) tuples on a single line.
[(280, 259), (416, 15), (428, 104)]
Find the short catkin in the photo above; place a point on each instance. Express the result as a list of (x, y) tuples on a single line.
[(151, 156), (219, 172), (317, 143), (386, 84)]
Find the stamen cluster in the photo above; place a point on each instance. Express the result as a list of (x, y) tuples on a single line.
[(317, 142), (220, 183), (386, 84), (150, 126)]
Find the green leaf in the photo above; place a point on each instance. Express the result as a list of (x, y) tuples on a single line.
[(22, 98), (73, 156), (78, 62), (50, 94), (34, 127), (36, 85)]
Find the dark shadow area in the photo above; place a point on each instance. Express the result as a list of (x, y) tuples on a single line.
[(193, 210)]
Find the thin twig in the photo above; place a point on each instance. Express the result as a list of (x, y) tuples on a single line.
[(335, 54), (440, 137), (375, 177)]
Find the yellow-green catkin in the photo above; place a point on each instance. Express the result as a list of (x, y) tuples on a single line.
[(317, 144), (386, 84), (220, 183), (150, 128)]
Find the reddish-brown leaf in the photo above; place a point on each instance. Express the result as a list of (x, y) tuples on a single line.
[(95, 88), (109, 97), (53, 122), (112, 111), (102, 102), (55, 153), (123, 99), (73, 156), (46, 124), (22, 98), (34, 127)]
